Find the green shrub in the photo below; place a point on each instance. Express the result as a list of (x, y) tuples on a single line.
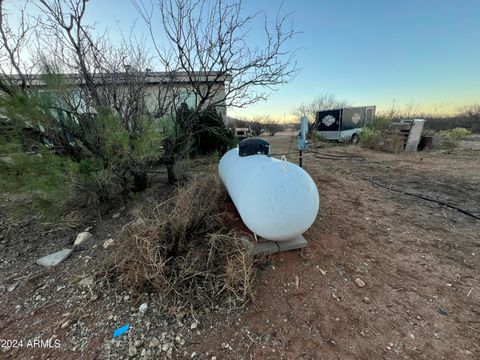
[(317, 139), (211, 134), (65, 159), (378, 123), (47, 178), (369, 138), (458, 133)]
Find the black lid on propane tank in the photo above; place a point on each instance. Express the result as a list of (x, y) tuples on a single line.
[(253, 146)]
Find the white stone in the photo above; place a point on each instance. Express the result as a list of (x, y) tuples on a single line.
[(132, 351), (154, 342), (359, 282), (82, 237), (65, 324), (108, 243), (143, 308), (55, 258)]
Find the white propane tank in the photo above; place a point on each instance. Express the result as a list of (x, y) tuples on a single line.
[(276, 199)]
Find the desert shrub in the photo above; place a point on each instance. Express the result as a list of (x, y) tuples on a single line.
[(458, 133), (256, 127), (66, 159), (369, 138), (445, 142), (183, 251), (378, 123), (271, 128), (46, 177), (317, 139), (471, 123)]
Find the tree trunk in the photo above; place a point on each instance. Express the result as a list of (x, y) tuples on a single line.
[(172, 178), (140, 180)]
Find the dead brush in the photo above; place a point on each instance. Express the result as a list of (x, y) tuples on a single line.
[(184, 252)]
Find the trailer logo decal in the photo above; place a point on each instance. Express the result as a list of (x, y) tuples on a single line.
[(328, 120), (356, 118)]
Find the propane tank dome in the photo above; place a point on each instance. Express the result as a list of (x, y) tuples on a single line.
[(253, 146)]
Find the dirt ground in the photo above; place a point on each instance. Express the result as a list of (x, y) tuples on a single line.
[(419, 261)]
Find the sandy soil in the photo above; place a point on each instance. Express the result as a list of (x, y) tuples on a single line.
[(419, 262)]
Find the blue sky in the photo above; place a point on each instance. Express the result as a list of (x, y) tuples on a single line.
[(375, 52), (370, 52)]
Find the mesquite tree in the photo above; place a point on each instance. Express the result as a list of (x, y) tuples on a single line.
[(211, 40)]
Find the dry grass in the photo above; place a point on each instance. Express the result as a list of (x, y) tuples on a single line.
[(183, 251)]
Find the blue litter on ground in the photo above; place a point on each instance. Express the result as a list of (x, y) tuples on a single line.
[(121, 330)]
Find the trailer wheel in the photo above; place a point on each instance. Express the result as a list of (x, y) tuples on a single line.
[(354, 139)]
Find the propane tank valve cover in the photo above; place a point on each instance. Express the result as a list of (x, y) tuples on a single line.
[(253, 146)]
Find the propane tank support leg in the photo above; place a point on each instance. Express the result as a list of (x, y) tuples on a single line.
[(267, 247)]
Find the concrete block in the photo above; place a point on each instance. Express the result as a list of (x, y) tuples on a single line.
[(415, 135), (298, 243), (264, 248)]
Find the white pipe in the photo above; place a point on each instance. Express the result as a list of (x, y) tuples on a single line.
[(276, 199)]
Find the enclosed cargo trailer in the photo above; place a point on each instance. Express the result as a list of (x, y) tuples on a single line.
[(343, 124)]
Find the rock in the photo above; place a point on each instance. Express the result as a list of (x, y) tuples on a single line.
[(442, 311), (170, 353), (11, 287), (143, 308), (82, 237), (132, 351), (137, 343), (108, 243), (154, 342), (143, 353), (116, 216), (55, 258), (360, 283), (194, 325), (167, 346), (110, 317), (65, 324), (193, 354), (366, 300)]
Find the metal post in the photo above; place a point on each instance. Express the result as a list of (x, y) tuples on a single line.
[(302, 139)]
